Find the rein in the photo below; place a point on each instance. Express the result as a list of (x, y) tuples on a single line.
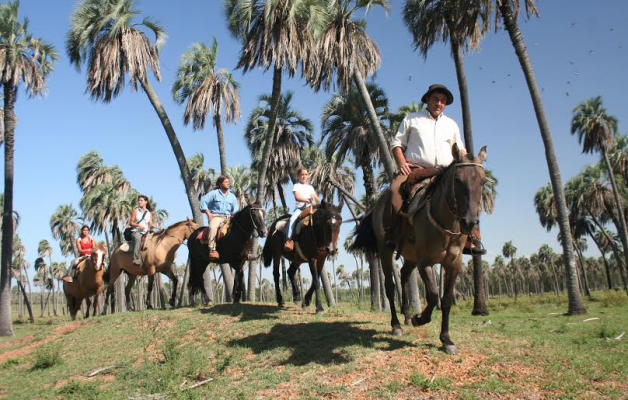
[(255, 227), (452, 209)]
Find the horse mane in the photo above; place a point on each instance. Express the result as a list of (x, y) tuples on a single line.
[(176, 225)]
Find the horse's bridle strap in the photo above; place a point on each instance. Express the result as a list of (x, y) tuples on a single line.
[(436, 224), (454, 209)]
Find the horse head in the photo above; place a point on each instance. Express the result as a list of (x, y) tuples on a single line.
[(257, 216), (192, 226), (328, 216), (98, 256), (467, 180)]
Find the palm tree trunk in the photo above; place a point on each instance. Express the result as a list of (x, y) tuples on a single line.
[(616, 253), (607, 268), (227, 279), (6, 324), (251, 286), (479, 295), (376, 302), (585, 280), (176, 148), (184, 284), (576, 306), (221, 141), (329, 294), (268, 144), (282, 195), (623, 232), (384, 151)]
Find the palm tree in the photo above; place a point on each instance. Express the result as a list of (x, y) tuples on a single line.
[(595, 130), (274, 34), (402, 112), (103, 35), (201, 177), (347, 132), (102, 206), (207, 91), (23, 60), (65, 228), (547, 256), (509, 11), (509, 251), (44, 249), (91, 172), (326, 176), (293, 133), (347, 52)]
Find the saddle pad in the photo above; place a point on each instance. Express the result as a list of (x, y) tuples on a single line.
[(125, 248), (281, 226), (419, 174)]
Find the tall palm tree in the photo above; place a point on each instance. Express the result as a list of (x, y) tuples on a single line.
[(326, 176), (103, 34), (65, 228), (547, 256), (207, 91), (618, 155), (509, 251), (44, 249), (201, 177), (508, 12), (91, 171), (345, 51), (402, 112), (293, 133), (596, 130), (274, 34), (347, 133), (102, 206), (23, 60)]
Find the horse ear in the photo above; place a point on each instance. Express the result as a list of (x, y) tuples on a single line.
[(455, 151), (482, 155)]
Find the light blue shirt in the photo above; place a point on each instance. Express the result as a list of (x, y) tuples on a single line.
[(216, 203)]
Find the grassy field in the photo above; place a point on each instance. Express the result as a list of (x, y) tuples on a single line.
[(527, 349)]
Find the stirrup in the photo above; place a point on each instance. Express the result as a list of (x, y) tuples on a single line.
[(475, 251)]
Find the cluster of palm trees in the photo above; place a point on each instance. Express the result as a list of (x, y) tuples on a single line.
[(321, 39), (595, 197)]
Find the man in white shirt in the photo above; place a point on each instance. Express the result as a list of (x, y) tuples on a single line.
[(425, 139)]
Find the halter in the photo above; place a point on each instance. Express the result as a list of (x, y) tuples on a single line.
[(453, 209), (334, 215)]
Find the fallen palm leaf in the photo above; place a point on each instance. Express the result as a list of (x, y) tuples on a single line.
[(590, 319), (195, 384), (103, 369), (357, 381), (156, 396), (621, 335)]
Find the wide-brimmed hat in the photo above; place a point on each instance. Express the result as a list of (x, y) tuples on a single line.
[(438, 88)]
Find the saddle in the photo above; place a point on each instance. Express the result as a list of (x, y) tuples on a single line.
[(223, 229), (408, 196), (126, 247)]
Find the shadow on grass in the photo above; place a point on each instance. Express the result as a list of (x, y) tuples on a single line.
[(246, 312), (319, 342)]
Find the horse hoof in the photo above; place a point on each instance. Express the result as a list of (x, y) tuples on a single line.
[(303, 305), (282, 305), (397, 331), (320, 311), (450, 349), (172, 303), (417, 321), (148, 307), (297, 299), (407, 322)]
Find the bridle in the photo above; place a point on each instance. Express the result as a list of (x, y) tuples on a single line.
[(334, 214), (255, 231), (190, 227), (453, 208)]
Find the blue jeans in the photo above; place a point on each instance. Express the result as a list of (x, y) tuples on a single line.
[(293, 218)]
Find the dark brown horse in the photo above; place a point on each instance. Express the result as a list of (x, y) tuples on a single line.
[(89, 282), (313, 243), (436, 235), (233, 248)]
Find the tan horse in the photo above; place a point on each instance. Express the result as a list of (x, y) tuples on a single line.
[(158, 255), (436, 235), (89, 282)]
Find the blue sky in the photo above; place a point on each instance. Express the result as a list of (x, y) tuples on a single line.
[(577, 51)]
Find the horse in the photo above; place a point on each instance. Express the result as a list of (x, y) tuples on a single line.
[(313, 243), (233, 248), (436, 234), (89, 282), (158, 255)]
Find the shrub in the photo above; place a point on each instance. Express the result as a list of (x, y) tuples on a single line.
[(47, 357)]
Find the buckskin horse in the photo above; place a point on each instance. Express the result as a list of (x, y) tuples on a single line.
[(314, 241), (89, 282), (158, 253), (233, 248), (436, 235)]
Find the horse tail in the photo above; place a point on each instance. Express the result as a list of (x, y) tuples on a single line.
[(267, 252), (364, 239), (106, 274), (196, 281)]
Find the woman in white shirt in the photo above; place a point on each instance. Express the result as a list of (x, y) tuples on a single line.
[(304, 194)]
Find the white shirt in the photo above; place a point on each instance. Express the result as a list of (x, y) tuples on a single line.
[(427, 141), (304, 190)]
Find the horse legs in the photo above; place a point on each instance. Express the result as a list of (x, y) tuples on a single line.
[(72, 306), (318, 268), (127, 292), (451, 274), (151, 282), (307, 300), (175, 283), (114, 273), (88, 303), (431, 292), (389, 283), (296, 291), (238, 284), (276, 262), (406, 273)]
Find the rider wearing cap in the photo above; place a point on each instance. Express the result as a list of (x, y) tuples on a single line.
[(425, 139)]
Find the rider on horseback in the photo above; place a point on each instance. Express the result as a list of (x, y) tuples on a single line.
[(424, 140), (304, 194), (219, 205)]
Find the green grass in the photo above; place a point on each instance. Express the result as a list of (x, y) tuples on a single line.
[(523, 349)]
